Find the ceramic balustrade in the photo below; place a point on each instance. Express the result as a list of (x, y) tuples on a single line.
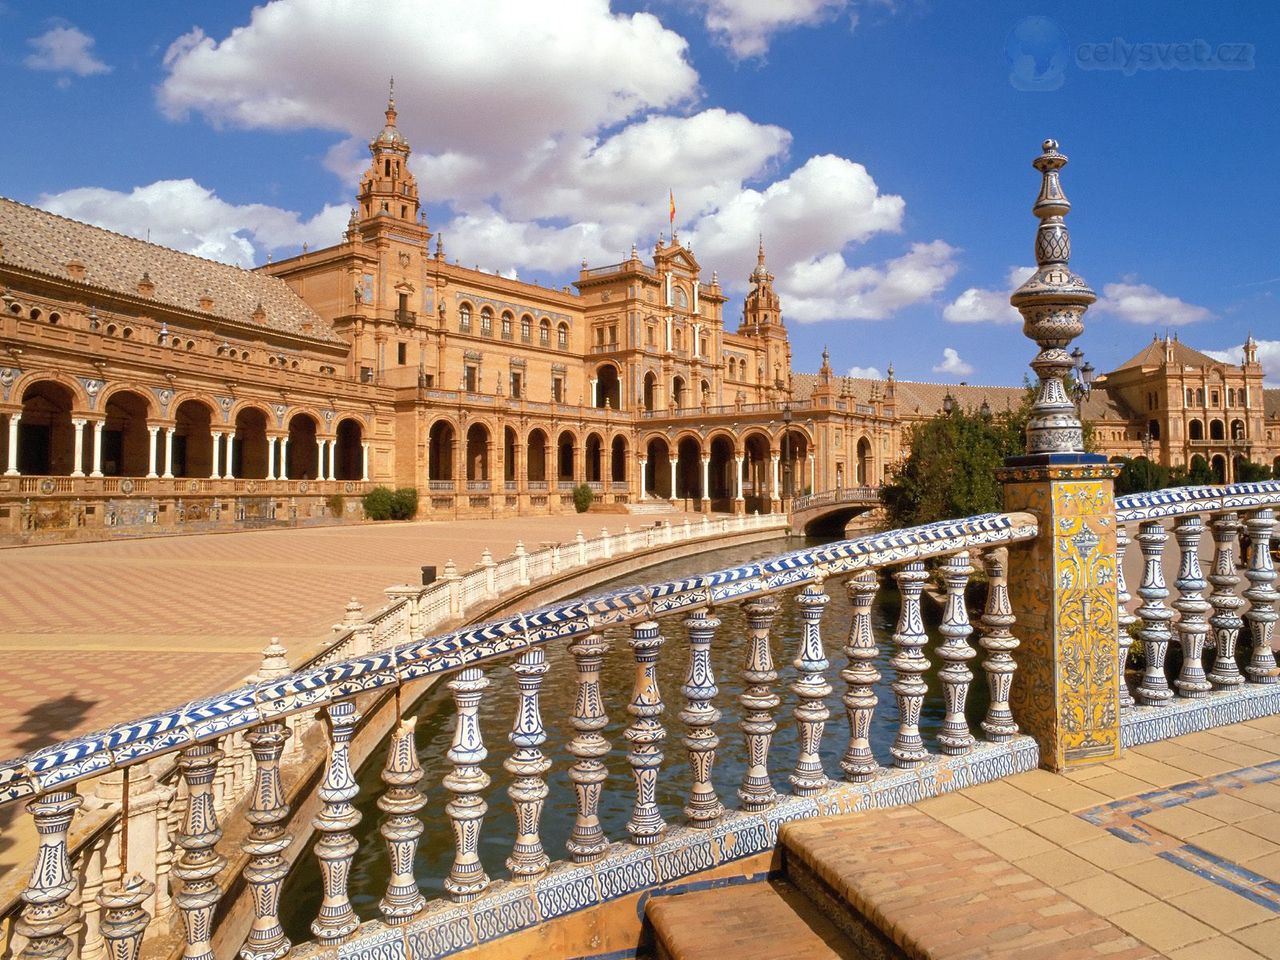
[(1226, 530)]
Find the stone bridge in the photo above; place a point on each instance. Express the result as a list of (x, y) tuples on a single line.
[(829, 512)]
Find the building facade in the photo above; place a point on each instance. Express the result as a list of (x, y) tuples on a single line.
[(144, 387)]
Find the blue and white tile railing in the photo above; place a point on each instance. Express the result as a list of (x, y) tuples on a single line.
[(94, 855), (1206, 616), (259, 713)]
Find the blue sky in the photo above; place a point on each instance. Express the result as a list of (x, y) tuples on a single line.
[(883, 148)]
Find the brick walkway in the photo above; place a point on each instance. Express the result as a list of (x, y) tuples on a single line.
[(96, 633)]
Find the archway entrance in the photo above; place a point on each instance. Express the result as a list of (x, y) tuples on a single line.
[(125, 440), (650, 387), (564, 460), (1219, 465), (608, 387), (478, 452), (45, 434), (758, 485), (250, 460), (193, 440), (303, 455), (618, 460), (348, 463), (657, 478), (863, 477), (688, 469), (509, 447), (536, 467), (593, 459), (795, 456), (440, 441), (721, 474)]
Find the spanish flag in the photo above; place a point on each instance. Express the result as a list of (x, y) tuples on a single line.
[(672, 198)]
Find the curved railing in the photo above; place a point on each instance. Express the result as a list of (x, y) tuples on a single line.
[(861, 494), (259, 712)]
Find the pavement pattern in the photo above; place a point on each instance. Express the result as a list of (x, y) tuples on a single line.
[(93, 634)]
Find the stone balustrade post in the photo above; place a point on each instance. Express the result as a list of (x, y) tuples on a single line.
[(955, 654), (759, 701), (336, 846), (488, 565), (998, 642), (606, 542), (812, 689), (1192, 627), (587, 842), (48, 915), (861, 675), (1261, 593), (700, 716), (909, 665), (1153, 689), (581, 542), (1226, 620), (522, 564), (267, 841), (645, 734), (411, 597), (401, 826), (454, 581), (467, 782), (1124, 618), (200, 864), (528, 767)]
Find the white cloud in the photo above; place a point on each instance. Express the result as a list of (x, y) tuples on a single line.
[(186, 216), (952, 364), (65, 49), (865, 373), (977, 305), (1143, 303), (746, 26), (554, 133), (1268, 356)]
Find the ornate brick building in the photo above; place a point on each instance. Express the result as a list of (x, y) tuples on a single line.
[(141, 386)]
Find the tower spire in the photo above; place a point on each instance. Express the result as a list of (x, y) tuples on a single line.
[(760, 253), (1052, 303)]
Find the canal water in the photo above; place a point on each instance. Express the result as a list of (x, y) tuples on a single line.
[(436, 722)]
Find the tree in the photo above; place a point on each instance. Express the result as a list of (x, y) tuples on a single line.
[(1139, 475), (1249, 472)]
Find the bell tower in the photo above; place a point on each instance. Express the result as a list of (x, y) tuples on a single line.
[(762, 320), (388, 190)]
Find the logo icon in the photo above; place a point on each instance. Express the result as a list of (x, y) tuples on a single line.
[(1038, 53)]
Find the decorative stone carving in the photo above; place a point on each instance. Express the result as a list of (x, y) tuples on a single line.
[(999, 643), (587, 842), (199, 865), (909, 665), (859, 764), (266, 842), (645, 734), (1262, 597), (466, 781), (955, 652), (759, 701), (528, 767), (812, 688), (1191, 604), (700, 716), (1226, 621), (337, 818), (401, 827), (1153, 688), (123, 919), (48, 916)]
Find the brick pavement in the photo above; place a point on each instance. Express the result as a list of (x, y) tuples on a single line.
[(96, 633)]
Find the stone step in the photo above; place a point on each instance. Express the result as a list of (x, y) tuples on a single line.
[(918, 888), (651, 507), (768, 920)]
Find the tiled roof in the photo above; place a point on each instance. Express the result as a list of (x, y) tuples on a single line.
[(912, 398), (1152, 355), (44, 242), (1271, 403)]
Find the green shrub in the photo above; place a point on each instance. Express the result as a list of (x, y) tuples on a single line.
[(377, 503), (404, 503), (337, 505), (582, 497)]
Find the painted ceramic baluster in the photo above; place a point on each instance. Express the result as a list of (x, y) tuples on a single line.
[(999, 643), (812, 688), (1153, 688), (1262, 597), (700, 715), (1124, 619), (123, 919), (47, 916), (759, 701), (587, 842), (954, 738), (1193, 607), (401, 826), (909, 663), (861, 675), (266, 842), (199, 865), (466, 781), (645, 734), (337, 818), (1226, 620), (527, 766)]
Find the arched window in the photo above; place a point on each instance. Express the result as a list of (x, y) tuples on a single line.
[(1191, 397), (464, 318), (682, 298), (1231, 396), (544, 332), (526, 328), (506, 325), (1200, 396), (1153, 429), (562, 336), (1237, 429), (1216, 430), (486, 322), (1197, 430)]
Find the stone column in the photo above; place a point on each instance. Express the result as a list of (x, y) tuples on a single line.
[(673, 463), (151, 451), (215, 442), (364, 460), (284, 458), (14, 420), (706, 483), (271, 458), (1062, 585), (168, 452), (319, 458), (644, 463), (229, 469), (813, 481), (77, 451), (333, 451), (97, 448), (737, 478), (776, 485)]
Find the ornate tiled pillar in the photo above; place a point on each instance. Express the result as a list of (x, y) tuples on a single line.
[(1062, 584)]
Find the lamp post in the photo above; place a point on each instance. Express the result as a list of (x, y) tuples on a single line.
[(948, 404), (985, 410), (1082, 384), (1146, 441)]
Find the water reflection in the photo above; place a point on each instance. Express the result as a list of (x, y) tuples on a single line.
[(497, 710)]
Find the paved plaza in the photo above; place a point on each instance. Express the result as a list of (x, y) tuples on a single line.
[(96, 633)]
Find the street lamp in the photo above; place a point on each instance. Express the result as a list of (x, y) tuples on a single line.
[(985, 410), (1083, 381), (1145, 438), (948, 403)]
